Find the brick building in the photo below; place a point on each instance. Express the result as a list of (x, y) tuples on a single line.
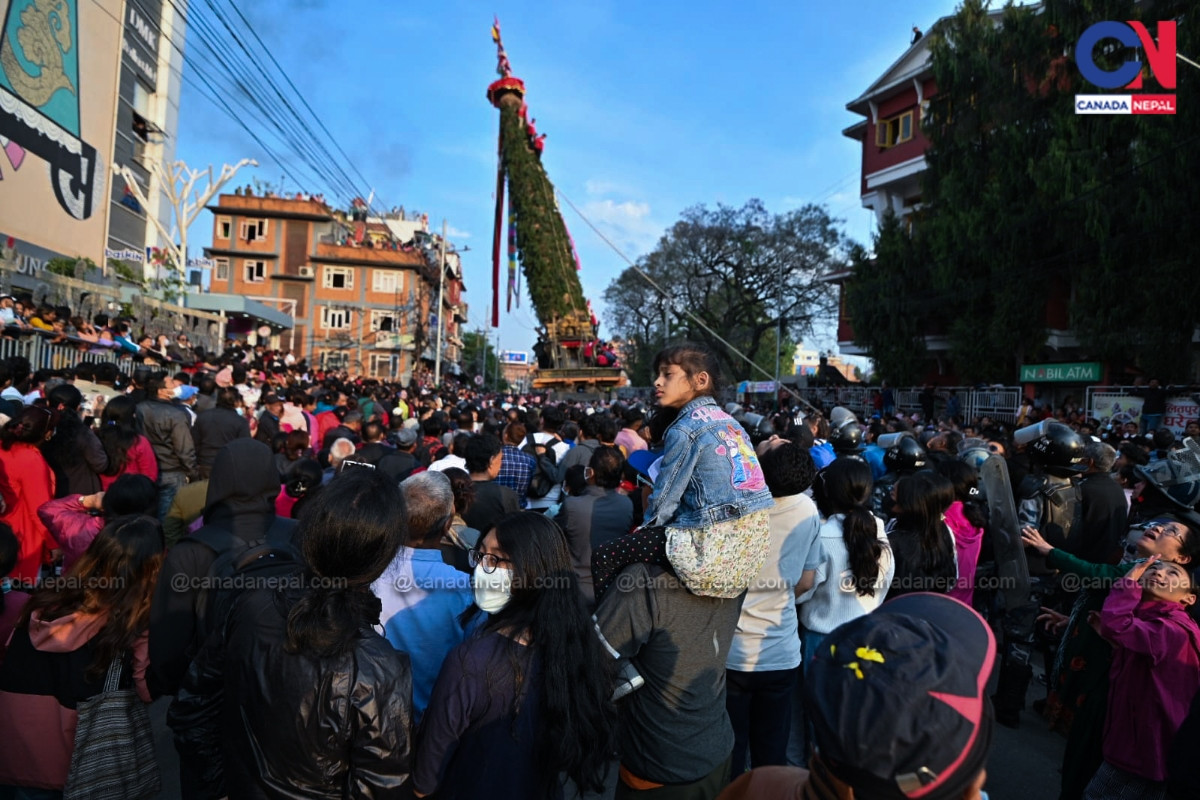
[(362, 296)]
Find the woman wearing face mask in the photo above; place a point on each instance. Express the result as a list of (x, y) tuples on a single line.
[(527, 697)]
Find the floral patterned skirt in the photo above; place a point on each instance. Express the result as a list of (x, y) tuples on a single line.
[(722, 559)]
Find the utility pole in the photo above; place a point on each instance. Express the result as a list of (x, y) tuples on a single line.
[(778, 339), (437, 357), (497, 379)]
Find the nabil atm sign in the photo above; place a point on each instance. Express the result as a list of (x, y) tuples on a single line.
[(1161, 57)]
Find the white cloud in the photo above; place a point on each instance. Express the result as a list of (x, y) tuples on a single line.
[(628, 224), (454, 233), (599, 188)]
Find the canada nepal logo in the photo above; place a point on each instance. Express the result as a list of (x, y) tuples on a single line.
[(1160, 54)]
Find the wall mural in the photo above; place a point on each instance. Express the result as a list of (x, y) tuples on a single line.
[(39, 101)]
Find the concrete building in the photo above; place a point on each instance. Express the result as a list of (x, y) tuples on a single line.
[(147, 120), (106, 94), (362, 299)]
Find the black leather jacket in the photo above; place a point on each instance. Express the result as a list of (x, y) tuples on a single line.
[(258, 722)]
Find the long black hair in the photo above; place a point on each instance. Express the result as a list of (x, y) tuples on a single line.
[(30, 426), (844, 487), (577, 731), (119, 431), (115, 576), (63, 447), (965, 481), (921, 500), (350, 532)]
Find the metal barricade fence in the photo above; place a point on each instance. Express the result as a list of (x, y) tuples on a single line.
[(42, 354), (999, 402)]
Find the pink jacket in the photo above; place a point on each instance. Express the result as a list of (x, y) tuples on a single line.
[(967, 541), (72, 526), (1154, 677)]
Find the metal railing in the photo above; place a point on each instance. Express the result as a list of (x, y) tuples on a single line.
[(999, 402), (42, 354)]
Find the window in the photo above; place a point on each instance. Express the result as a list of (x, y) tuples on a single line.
[(222, 270), (383, 321), (894, 131), (254, 229), (141, 99), (256, 271), (335, 359), (384, 365), (338, 278), (387, 281), (335, 319), (224, 227)]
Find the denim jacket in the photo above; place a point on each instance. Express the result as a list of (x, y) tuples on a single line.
[(709, 472)]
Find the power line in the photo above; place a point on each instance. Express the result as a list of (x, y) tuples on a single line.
[(680, 312), (213, 62), (203, 82), (287, 78)]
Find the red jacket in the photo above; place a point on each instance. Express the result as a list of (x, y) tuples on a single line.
[(27, 483)]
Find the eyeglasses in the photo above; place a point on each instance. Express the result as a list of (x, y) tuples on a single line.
[(1172, 529), (490, 561)]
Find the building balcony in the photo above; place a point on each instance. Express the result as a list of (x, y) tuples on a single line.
[(385, 340)]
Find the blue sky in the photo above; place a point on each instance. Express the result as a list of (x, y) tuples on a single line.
[(649, 108)]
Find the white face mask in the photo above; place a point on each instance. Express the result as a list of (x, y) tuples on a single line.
[(492, 592)]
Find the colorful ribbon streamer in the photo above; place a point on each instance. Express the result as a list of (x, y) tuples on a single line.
[(512, 255)]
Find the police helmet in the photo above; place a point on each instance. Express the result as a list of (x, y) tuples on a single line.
[(759, 427), (904, 452), (1053, 445), (1175, 481), (973, 452), (847, 438)]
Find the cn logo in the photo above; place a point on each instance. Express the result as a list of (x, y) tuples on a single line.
[(1160, 54)]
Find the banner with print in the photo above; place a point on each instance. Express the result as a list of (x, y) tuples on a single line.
[(1116, 407), (1180, 411)]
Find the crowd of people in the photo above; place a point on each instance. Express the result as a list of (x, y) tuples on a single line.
[(350, 588)]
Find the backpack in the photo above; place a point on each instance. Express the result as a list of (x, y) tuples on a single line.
[(545, 476), (241, 565)]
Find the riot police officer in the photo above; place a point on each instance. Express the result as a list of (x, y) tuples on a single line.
[(846, 434), (903, 455), (1049, 500)]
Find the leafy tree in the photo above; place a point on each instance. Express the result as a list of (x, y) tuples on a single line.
[(67, 266), (641, 317), (885, 302), (741, 271), (1023, 196), (480, 358), (990, 240)]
